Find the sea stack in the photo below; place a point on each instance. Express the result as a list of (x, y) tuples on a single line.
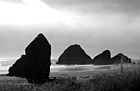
[(35, 64), (74, 54), (120, 58), (103, 59)]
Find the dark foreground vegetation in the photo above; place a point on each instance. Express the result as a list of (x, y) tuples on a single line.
[(122, 79)]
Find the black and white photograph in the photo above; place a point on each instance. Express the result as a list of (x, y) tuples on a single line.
[(69, 45)]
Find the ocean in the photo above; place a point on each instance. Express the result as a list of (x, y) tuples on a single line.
[(6, 63)]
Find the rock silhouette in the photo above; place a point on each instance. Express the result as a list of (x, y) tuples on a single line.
[(35, 65), (18, 68), (120, 58), (74, 54), (103, 59)]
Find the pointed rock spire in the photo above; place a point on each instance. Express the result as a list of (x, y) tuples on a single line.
[(35, 65), (103, 59), (74, 54)]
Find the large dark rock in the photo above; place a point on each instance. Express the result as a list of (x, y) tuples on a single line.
[(35, 65), (18, 68), (120, 58), (103, 59), (74, 54)]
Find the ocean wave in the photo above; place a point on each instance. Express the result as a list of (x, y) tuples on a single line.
[(6, 63), (69, 68)]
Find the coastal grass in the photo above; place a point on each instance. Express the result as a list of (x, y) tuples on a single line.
[(123, 78)]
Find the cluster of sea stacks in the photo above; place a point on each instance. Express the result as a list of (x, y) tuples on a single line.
[(35, 64), (74, 54)]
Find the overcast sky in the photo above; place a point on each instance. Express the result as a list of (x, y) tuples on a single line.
[(96, 25)]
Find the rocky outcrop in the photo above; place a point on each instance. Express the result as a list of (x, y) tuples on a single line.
[(18, 68), (35, 65), (120, 58), (74, 54), (103, 59)]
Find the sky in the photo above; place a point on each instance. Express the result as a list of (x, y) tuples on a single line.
[(96, 25)]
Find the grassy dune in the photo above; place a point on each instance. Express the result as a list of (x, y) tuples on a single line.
[(124, 78)]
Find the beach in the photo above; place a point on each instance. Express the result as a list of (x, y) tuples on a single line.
[(77, 78), (80, 78)]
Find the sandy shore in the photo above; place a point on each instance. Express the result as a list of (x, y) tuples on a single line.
[(70, 71), (67, 71), (75, 78), (60, 74)]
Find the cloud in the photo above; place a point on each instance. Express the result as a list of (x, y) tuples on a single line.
[(30, 13), (102, 17), (11, 1), (98, 24), (95, 24), (130, 7)]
